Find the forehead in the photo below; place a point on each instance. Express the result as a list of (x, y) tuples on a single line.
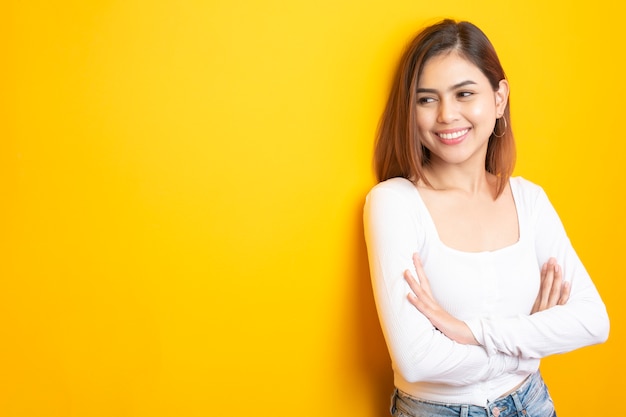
[(448, 69)]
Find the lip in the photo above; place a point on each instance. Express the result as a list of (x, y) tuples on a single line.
[(452, 136)]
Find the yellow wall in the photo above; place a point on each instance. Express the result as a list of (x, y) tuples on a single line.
[(181, 185)]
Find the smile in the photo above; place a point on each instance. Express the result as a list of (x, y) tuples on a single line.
[(453, 135)]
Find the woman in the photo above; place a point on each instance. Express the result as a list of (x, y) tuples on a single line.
[(493, 282)]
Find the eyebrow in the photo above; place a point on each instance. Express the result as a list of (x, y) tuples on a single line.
[(454, 87)]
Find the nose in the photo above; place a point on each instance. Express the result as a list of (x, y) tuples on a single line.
[(447, 112)]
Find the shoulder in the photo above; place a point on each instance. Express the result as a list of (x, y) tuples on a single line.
[(394, 195), (399, 187), (392, 212), (528, 195), (527, 190), (525, 185)]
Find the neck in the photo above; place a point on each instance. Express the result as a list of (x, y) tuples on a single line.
[(471, 181)]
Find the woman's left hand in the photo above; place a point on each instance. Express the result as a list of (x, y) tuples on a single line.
[(423, 300)]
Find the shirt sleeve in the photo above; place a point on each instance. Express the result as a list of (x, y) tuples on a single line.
[(582, 321), (419, 352)]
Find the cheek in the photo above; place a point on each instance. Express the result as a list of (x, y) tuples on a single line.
[(424, 120), (483, 111)]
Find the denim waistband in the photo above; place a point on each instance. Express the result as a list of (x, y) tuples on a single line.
[(531, 399)]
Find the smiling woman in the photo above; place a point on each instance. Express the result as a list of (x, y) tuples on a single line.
[(493, 282), (181, 186), (457, 109)]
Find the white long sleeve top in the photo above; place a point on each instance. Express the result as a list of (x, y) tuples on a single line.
[(493, 292)]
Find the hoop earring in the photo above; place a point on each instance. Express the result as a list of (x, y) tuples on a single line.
[(503, 131)]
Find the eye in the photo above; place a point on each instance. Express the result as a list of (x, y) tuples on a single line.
[(464, 94), (425, 100)]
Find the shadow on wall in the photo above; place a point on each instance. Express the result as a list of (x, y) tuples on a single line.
[(372, 356)]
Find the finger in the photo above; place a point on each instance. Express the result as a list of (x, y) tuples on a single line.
[(417, 297), (537, 303), (535, 306), (410, 279), (557, 286), (416, 302), (546, 284), (415, 286), (417, 262), (565, 292)]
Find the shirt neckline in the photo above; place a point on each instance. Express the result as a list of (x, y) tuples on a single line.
[(433, 226)]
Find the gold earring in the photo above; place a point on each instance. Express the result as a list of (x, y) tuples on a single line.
[(502, 131)]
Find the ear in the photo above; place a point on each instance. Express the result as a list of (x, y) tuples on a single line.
[(502, 97)]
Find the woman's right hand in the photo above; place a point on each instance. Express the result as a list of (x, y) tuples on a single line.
[(553, 291)]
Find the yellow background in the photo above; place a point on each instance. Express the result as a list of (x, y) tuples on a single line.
[(181, 185)]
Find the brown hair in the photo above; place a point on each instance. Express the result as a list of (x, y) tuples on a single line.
[(399, 151)]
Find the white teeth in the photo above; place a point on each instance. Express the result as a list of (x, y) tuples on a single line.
[(453, 135)]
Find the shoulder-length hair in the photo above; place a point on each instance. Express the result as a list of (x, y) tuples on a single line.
[(399, 151)]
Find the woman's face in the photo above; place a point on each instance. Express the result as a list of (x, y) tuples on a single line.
[(457, 109)]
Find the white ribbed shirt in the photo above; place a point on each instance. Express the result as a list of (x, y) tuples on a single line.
[(493, 292)]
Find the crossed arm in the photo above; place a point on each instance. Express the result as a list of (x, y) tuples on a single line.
[(552, 292), (483, 347)]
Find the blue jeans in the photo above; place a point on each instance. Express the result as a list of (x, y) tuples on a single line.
[(530, 400)]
